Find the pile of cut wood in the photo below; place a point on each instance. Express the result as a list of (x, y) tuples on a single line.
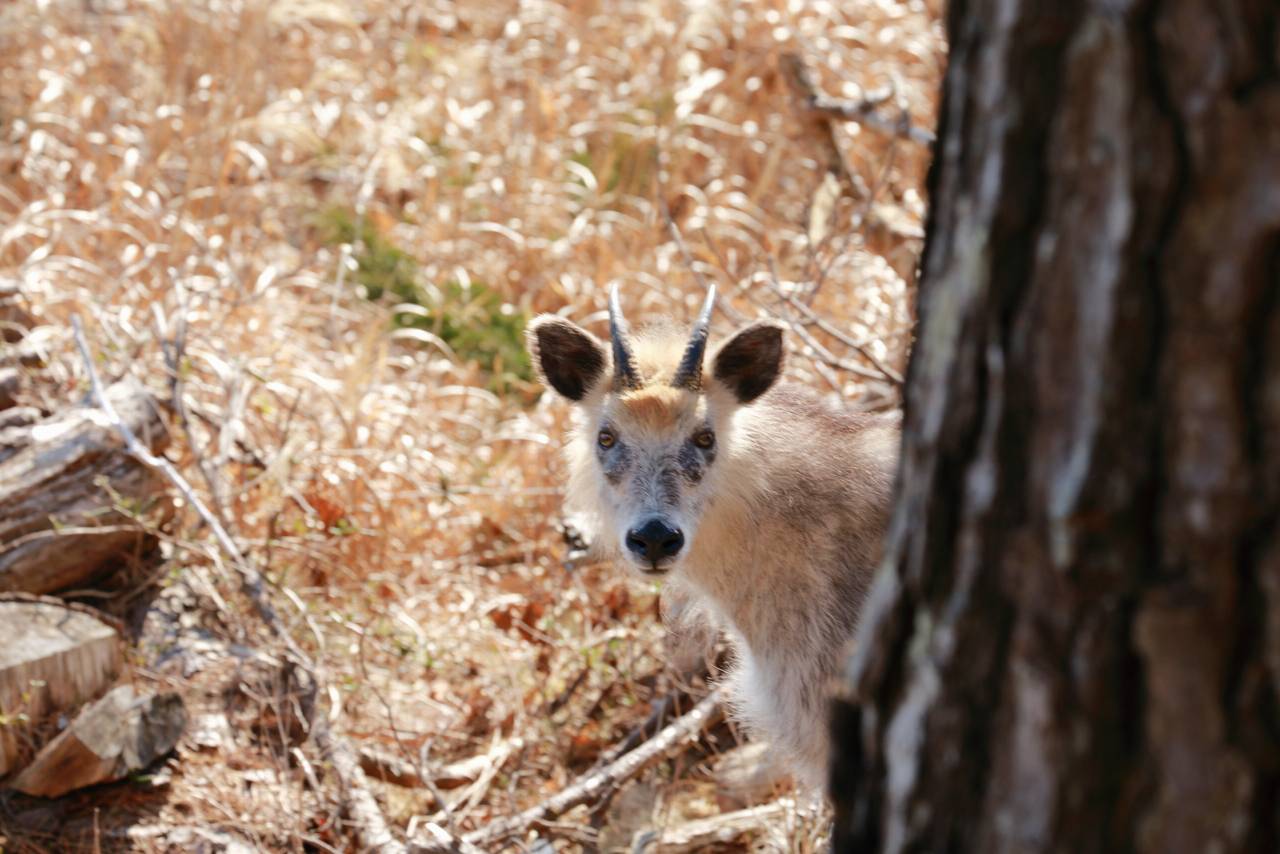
[(70, 499)]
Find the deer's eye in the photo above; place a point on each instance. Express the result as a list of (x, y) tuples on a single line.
[(606, 439), (704, 439)]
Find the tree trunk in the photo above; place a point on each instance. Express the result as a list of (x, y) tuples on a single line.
[(1077, 646)]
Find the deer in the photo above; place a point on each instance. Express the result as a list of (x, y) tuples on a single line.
[(756, 501)]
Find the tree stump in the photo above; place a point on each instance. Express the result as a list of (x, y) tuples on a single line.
[(119, 734), (70, 493), (52, 657)]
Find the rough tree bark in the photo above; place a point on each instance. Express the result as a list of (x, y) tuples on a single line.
[(1077, 646)]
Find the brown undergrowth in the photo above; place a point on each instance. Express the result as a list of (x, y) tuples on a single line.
[(316, 229)]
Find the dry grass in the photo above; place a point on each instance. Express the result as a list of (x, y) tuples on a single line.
[(244, 175)]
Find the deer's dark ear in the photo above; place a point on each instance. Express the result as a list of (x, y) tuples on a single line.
[(751, 361), (567, 357)]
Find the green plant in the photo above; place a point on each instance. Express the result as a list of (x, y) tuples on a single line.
[(622, 164), (479, 326), (381, 266), (473, 319)]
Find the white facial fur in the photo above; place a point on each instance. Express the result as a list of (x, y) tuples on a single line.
[(660, 464)]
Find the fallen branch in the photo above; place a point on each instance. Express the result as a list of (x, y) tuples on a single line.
[(440, 841), (369, 825), (383, 766), (181, 838), (371, 828), (662, 709), (599, 783), (489, 765), (716, 830), (392, 769)]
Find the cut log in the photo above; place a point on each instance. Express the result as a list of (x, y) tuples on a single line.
[(52, 657), (68, 494), (117, 735)]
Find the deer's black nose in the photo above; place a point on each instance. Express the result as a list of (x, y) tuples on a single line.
[(655, 540)]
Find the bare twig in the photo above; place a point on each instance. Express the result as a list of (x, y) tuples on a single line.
[(835, 332), (370, 826), (864, 112), (599, 783), (250, 579), (661, 710), (825, 356), (174, 352), (820, 356), (670, 221), (488, 765), (425, 780)]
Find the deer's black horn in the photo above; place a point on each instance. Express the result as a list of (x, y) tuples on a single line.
[(688, 373), (625, 374)]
